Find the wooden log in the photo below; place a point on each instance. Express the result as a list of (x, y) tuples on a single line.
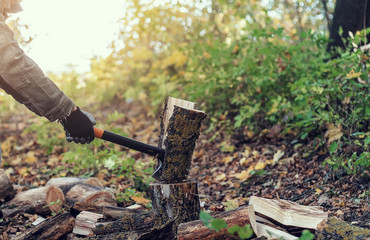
[(195, 230), (85, 197), (334, 229), (35, 201), (66, 183), (6, 187), (128, 227), (177, 202), (53, 228), (85, 223), (180, 129), (55, 199)]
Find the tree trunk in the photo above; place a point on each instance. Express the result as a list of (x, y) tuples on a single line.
[(351, 16), (177, 202), (6, 187), (52, 229)]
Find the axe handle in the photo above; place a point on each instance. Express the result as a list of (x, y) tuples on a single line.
[(129, 143)]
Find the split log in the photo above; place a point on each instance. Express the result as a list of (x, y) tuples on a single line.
[(53, 228), (180, 129), (282, 218), (336, 229), (6, 187), (196, 230), (37, 200), (113, 213), (66, 183), (85, 197), (86, 222)]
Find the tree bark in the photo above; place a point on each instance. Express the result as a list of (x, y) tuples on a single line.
[(52, 229), (177, 202), (6, 187), (351, 16), (335, 229)]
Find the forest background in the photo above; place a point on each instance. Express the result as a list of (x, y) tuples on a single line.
[(256, 68)]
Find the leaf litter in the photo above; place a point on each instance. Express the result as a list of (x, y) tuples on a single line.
[(229, 170)]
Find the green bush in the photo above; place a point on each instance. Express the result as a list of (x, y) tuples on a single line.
[(268, 79)]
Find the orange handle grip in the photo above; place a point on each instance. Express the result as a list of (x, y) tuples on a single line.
[(98, 132)]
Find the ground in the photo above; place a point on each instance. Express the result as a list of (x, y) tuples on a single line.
[(221, 165)]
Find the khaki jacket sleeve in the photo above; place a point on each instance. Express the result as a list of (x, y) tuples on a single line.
[(21, 77)]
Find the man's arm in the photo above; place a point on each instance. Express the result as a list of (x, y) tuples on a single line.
[(21, 77)]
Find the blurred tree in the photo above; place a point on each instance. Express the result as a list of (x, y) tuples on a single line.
[(351, 16)]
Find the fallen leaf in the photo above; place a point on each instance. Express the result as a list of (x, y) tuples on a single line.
[(22, 171), (30, 158), (333, 133), (244, 175), (279, 154), (221, 177), (140, 200), (227, 159)]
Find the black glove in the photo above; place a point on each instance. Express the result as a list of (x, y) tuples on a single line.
[(79, 126)]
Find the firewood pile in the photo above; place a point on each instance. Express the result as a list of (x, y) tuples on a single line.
[(81, 208)]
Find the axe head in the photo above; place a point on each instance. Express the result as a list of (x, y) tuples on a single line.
[(158, 172)]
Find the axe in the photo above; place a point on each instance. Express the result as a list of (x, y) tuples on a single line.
[(135, 145)]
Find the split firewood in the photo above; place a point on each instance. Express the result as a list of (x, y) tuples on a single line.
[(180, 129), (42, 201), (282, 218), (91, 198), (6, 187), (195, 230), (333, 228), (53, 228), (66, 183), (86, 222), (113, 213)]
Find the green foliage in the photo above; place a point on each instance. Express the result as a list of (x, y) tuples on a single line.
[(306, 235), (48, 135), (235, 231), (89, 159)]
